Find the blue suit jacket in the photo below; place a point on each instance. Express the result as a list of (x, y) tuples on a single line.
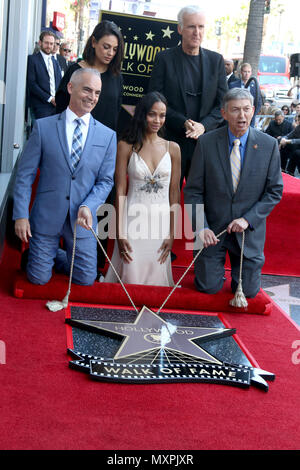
[(38, 84), (60, 191)]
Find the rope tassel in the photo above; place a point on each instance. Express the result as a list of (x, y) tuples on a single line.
[(56, 305), (239, 299)]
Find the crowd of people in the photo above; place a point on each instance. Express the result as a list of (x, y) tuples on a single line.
[(284, 125), (193, 129)]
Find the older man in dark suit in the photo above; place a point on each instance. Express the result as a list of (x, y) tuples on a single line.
[(64, 56), (236, 177), (43, 77), (193, 80)]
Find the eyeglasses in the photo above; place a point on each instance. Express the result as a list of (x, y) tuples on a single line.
[(58, 44), (67, 50)]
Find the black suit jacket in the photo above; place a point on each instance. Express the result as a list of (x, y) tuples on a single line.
[(231, 79), (62, 62), (38, 84), (168, 77), (259, 189), (107, 108)]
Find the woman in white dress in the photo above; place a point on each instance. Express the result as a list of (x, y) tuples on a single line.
[(147, 181)]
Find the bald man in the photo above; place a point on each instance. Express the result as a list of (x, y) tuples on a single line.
[(75, 155)]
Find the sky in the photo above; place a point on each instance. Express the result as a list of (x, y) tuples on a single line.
[(289, 20), (222, 7), (168, 9)]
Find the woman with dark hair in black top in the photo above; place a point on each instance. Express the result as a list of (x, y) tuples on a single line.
[(103, 51)]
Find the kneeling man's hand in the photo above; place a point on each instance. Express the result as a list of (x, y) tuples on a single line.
[(84, 217), (238, 225), (22, 229), (208, 238)]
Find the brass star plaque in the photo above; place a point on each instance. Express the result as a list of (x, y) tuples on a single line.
[(152, 349)]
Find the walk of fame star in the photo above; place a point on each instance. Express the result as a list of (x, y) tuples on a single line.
[(157, 350), (149, 332), (281, 296)]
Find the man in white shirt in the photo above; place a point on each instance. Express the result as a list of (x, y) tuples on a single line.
[(43, 77), (75, 155)]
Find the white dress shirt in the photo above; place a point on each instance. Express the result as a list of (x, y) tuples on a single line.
[(71, 125), (46, 58)]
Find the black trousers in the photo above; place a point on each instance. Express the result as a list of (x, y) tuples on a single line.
[(187, 148), (294, 162), (285, 155)]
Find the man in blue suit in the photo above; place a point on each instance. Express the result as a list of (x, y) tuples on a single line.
[(246, 73), (75, 155), (43, 77)]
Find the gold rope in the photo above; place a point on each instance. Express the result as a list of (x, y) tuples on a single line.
[(239, 299), (178, 282)]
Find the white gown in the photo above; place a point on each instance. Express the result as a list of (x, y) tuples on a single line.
[(146, 224)]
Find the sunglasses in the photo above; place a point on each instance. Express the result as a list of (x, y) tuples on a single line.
[(67, 50)]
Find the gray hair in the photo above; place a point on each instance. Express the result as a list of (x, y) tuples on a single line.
[(237, 94), (278, 113), (64, 44), (189, 10), (77, 75)]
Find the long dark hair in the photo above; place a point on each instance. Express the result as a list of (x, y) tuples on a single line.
[(136, 131), (105, 28)]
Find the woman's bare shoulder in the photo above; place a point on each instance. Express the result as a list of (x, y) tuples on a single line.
[(174, 148), (124, 148)]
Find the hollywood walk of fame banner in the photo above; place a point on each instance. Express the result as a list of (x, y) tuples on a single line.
[(144, 38)]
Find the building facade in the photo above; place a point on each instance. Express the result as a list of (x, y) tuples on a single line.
[(20, 26)]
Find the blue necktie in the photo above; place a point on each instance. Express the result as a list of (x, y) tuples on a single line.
[(76, 144)]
